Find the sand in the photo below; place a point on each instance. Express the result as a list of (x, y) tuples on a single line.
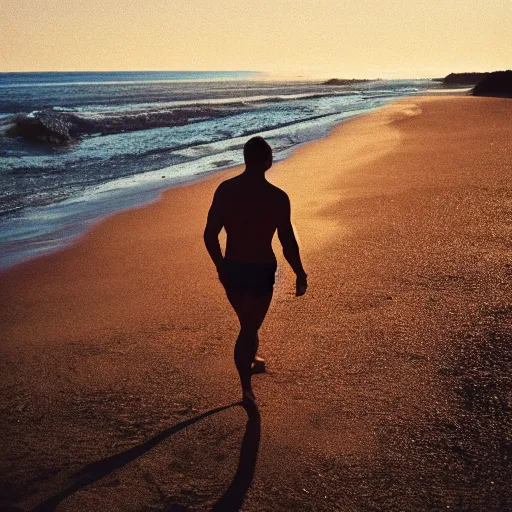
[(388, 386)]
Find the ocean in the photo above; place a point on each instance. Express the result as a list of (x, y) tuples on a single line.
[(77, 146)]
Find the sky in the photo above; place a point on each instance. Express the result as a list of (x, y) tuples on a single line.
[(323, 38)]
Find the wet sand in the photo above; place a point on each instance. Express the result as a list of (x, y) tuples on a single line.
[(389, 384)]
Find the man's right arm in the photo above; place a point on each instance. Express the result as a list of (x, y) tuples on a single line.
[(214, 224), (290, 246)]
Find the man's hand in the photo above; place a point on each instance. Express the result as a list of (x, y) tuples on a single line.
[(301, 285)]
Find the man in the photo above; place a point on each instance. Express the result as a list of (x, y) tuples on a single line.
[(251, 210)]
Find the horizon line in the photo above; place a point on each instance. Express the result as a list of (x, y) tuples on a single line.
[(286, 74)]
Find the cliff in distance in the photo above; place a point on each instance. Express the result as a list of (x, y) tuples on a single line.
[(498, 83)]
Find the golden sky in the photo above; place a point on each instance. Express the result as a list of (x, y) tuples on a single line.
[(356, 38)]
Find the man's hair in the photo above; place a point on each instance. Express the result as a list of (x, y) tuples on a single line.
[(257, 151)]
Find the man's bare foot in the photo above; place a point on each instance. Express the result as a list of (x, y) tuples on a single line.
[(258, 365), (248, 398)]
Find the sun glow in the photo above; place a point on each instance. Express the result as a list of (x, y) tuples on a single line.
[(328, 38)]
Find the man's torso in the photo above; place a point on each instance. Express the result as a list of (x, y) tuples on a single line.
[(251, 213)]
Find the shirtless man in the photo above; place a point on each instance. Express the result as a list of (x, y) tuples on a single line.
[(251, 210)]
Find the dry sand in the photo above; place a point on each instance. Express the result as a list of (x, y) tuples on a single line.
[(389, 384)]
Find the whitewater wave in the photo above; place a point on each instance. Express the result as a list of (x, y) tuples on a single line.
[(60, 126)]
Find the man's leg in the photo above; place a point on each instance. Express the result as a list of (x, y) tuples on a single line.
[(235, 296), (251, 312)]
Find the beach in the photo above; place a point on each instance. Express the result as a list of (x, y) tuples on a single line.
[(389, 383)]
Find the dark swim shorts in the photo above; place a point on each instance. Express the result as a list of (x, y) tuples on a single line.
[(256, 279)]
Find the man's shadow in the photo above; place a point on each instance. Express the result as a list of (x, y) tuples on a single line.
[(231, 500)]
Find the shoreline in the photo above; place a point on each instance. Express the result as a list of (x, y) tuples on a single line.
[(151, 195), (391, 375), (42, 230)]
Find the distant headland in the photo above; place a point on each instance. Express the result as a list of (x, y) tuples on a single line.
[(498, 83), (462, 78), (495, 83), (349, 81)]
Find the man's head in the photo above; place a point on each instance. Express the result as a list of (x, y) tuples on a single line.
[(258, 154)]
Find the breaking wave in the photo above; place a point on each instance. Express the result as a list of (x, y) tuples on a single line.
[(59, 126)]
